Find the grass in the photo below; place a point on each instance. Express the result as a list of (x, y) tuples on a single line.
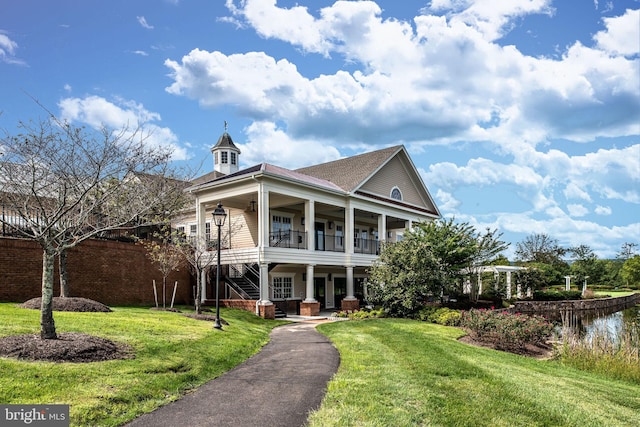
[(614, 294), (397, 372), (173, 355)]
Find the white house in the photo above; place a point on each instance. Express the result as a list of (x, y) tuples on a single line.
[(303, 239)]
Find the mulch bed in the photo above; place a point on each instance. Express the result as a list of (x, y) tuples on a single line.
[(69, 304), (70, 347), (539, 351)]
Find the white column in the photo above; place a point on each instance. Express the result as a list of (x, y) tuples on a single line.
[(348, 229), (310, 297), (263, 218), (508, 285), (309, 222), (382, 228), (479, 284), (201, 219), (518, 290), (264, 284), (350, 285), (567, 283)]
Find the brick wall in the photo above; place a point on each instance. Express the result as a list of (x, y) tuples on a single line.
[(113, 273)]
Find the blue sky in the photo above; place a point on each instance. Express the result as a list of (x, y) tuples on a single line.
[(521, 115)]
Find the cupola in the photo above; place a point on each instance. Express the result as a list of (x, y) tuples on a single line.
[(225, 154)]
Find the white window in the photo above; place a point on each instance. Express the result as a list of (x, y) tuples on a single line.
[(224, 156), (193, 229), (339, 236), (207, 230), (215, 157), (280, 224), (233, 158), (282, 287), (396, 193)]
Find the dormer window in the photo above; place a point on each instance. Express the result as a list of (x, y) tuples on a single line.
[(396, 194)]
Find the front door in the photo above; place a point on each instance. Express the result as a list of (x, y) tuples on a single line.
[(319, 289), (339, 290)]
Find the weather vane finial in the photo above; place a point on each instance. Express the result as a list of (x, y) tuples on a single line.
[(225, 125)]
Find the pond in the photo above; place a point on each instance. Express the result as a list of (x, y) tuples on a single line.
[(589, 324), (612, 324)]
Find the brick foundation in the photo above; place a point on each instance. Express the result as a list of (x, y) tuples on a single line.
[(267, 311), (309, 308), (350, 304)]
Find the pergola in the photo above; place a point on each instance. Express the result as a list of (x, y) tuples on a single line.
[(496, 270)]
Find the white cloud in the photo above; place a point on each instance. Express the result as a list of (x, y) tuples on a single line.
[(576, 210), (446, 202), (8, 49), (602, 210), (266, 143), (140, 52), (622, 36), (67, 87), (97, 112), (143, 22)]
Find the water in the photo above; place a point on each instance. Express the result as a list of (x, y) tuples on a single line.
[(612, 324)]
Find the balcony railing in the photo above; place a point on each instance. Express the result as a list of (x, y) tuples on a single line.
[(288, 239), (291, 239)]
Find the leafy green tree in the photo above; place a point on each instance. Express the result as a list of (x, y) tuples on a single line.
[(631, 272), (543, 252), (429, 262), (586, 265), (628, 251)]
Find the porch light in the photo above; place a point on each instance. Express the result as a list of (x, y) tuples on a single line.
[(219, 216)]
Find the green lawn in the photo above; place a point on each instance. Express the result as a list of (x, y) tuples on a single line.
[(173, 354), (409, 373), (392, 373)]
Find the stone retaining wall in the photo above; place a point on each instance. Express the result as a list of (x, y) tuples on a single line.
[(599, 304)]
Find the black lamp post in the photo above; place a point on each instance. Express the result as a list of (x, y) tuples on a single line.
[(219, 216)]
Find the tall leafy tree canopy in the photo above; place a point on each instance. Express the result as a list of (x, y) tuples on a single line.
[(429, 262)]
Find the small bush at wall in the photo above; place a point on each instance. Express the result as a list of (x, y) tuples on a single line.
[(556, 295), (367, 314), (506, 330)]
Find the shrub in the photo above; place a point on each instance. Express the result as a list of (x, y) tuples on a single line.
[(556, 295), (367, 314), (445, 316), (506, 330)]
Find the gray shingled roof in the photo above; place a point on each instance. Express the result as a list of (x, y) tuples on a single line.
[(349, 173), (225, 141)]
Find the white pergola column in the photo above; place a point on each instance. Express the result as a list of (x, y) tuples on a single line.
[(310, 297), (479, 283), (508, 285), (567, 283)]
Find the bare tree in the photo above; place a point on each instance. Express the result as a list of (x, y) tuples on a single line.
[(165, 255), (65, 184)]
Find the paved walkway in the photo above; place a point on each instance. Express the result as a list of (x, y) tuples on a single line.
[(279, 386)]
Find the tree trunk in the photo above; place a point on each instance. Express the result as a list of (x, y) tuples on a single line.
[(47, 325), (62, 267), (198, 290), (164, 292)]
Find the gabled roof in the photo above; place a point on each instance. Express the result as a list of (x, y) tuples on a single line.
[(266, 169), (349, 173)]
